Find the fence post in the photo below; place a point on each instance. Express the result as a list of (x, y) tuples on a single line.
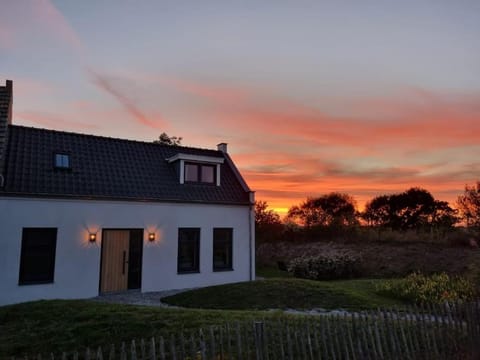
[(239, 341), (111, 354), (212, 343), (133, 350), (99, 353), (203, 346), (153, 353), (259, 336), (161, 348)]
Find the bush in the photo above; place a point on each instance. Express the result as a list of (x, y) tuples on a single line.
[(325, 267), (437, 288)]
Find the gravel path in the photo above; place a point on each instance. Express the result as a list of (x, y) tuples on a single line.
[(153, 298)]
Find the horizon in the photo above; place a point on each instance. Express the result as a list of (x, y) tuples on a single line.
[(362, 98)]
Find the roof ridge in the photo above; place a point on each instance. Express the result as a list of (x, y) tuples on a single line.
[(110, 138)]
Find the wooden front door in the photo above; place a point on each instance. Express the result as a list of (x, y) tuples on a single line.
[(122, 252)]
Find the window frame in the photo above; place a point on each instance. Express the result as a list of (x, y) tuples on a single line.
[(25, 253), (229, 240), (199, 173), (196, 260), (63, 156)]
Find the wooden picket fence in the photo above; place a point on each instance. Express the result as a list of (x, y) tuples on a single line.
[(433, 332)]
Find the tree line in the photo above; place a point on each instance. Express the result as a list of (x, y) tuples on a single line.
[(414, 209)]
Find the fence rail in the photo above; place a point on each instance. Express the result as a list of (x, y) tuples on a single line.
[(433, 332)]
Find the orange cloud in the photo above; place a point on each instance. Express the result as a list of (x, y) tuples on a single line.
[(287, 150), (317, 153)]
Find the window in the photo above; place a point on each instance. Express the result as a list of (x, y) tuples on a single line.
[(188, 250), (191, 172), (62, 161), (37, 259), (222, 249), (208, 174), (202, 173)]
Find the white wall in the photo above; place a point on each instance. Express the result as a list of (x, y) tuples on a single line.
[(77, 262)]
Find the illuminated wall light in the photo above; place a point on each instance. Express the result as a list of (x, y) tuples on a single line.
[(151, 236), (92, 237)]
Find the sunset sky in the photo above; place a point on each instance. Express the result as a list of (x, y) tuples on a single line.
[(362, 97)]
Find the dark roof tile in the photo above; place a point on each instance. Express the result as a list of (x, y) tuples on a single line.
[(107, 168)]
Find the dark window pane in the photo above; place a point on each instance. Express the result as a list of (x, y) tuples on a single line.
[(191, 172), (208, 174), (222, 249), (188, 249), (37, 260)]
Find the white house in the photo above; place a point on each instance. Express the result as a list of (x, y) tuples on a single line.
[(83, 215)]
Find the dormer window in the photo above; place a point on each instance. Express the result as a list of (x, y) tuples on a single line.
[(198, 169), (62, 161), (201, 173)]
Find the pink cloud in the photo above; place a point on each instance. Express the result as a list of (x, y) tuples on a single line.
[(56, 121), (25, 87), (312, 145), (107, 85), (6, 37), (424, 126), (56, 23), (221, 94), (22, 21)]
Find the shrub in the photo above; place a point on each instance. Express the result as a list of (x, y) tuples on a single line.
[(324, 267), (437, 288)]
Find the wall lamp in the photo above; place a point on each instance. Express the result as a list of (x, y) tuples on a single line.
[(92, 237), (151, 236)]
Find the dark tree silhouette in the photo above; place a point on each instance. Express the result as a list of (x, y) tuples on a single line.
[(377, 211), (443, 216), (268, 226), (413, 209), (164, 139), (263, 216), (334, 209), (469, 205)]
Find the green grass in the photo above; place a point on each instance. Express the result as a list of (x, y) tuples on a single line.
[(276, 293), (272, 272), (65, 325)]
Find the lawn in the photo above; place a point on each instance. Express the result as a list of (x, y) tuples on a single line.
[(64, 325), (283, 293)]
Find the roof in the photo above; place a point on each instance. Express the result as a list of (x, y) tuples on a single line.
[(108, 168)]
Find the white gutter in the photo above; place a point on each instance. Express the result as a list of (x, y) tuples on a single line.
[(251, 242)]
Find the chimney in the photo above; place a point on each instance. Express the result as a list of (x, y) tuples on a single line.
[(6, 102), (222, 147)]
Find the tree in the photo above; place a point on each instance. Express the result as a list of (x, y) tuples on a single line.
[(164, 139), (263, 216), (377, 211), (443, 216), (468, 205), (334, 209), (412, 209), (267, 223)]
